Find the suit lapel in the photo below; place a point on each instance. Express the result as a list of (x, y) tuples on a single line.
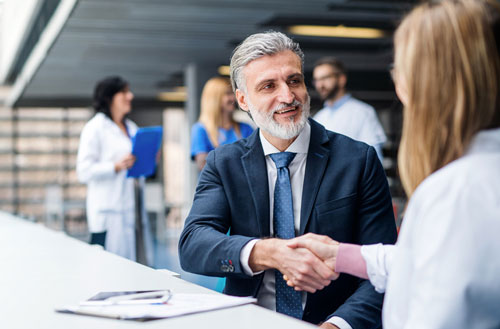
[(317, 159), (254, 165)]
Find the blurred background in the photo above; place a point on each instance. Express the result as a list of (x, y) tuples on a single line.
[(53, 51)]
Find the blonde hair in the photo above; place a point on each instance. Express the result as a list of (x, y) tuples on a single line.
[(211, 104), (447, 56)]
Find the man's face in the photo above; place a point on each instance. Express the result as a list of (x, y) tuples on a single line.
[(327, 81), (276, 94)]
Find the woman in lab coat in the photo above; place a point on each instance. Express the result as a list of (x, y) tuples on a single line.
[(104, 156), (444, 270)]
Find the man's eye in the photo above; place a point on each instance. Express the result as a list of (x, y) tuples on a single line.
[(268, 86)]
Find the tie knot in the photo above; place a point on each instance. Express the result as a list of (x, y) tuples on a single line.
[(282, 159)]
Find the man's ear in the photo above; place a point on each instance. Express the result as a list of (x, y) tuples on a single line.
[(242, 100)]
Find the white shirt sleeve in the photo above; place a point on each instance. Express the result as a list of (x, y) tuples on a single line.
[(245, 255), (378, 260), (453, 278), (88, 165), (339, 322), (371, 131), (445, 272)]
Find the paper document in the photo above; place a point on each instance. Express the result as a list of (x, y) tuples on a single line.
[(178, 304), (145, 145)]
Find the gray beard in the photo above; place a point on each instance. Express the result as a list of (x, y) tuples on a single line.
[(266, 122)]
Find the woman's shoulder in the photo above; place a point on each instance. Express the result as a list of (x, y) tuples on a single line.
[(131, 126), (458, 192), (245, 128), (129, 122), (462, 175), (99, 119), (198, 129), (95, 122)]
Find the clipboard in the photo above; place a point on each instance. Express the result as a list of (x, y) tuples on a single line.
[(178, 304), (145, 145)]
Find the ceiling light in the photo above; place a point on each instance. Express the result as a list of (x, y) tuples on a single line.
[(223, 70), (179, 94), (337, 31)]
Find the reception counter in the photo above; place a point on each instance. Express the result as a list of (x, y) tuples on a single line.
[(42, 269)]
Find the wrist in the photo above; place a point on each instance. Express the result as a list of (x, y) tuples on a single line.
[(350, 260), (262, 255)]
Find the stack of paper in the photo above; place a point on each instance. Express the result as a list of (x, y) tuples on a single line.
[(178, 304)]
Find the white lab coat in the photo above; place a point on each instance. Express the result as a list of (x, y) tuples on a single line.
[(354, 118), (444, 271), (110, 194)]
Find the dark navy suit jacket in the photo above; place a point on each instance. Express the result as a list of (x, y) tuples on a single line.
[(345, 196)]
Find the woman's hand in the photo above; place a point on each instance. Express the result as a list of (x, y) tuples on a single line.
[(125, 163), (320, 245)]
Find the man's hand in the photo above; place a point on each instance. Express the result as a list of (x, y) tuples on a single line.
[(125, 163), (298, 264), (322, 247)]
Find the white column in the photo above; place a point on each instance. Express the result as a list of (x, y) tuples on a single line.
[(195, 76)]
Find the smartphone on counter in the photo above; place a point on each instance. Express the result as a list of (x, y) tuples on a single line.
[(129, 297)]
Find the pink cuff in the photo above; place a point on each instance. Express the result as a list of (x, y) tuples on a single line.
[(349, 260)]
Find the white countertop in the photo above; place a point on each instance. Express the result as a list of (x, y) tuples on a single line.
[(41, 269)]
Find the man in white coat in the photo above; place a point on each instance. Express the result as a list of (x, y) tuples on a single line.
[(343, 113)]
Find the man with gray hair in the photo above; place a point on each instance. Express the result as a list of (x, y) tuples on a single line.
[(289, 179)]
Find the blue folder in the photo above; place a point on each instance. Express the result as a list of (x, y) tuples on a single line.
[(145, 145)]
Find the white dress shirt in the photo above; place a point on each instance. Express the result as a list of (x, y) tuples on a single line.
[(444, 271), (266, 296), (353, 118)]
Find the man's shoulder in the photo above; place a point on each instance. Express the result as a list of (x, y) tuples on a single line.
[(359, 105), (322, 112), (339, 143), (351, 105), (343, 143)]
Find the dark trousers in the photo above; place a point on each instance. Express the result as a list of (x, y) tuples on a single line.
[(98, 238)]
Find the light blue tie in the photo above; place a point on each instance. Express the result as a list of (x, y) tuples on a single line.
[(288, 301)]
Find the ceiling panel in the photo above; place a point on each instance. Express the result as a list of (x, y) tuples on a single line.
[(151, 41)]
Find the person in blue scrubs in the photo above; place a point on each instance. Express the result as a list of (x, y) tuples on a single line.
[(216, 125)]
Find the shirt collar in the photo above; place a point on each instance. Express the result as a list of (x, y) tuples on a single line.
[(337, 104), (485, 141), (299, 145)]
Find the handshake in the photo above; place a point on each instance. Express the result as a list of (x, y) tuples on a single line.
[(307, 262), (325, 249)]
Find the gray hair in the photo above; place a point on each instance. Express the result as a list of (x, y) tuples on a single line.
[(256, 46)]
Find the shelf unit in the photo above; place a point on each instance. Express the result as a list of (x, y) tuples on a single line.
[(38, 150)]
